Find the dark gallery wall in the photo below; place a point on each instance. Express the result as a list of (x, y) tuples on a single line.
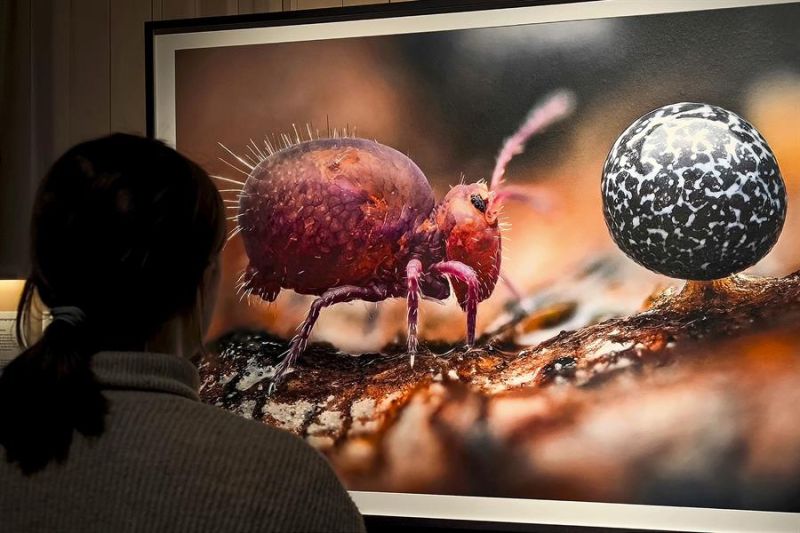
[(71, 70)]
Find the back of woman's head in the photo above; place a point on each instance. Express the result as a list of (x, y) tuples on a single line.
[(123, 231)]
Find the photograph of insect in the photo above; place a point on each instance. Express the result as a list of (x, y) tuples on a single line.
[(346, 218), (610, 316)]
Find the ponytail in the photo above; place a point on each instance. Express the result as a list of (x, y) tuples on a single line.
[(49, 391), (117, 219)]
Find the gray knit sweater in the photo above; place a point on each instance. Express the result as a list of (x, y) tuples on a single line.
[(167, 462)]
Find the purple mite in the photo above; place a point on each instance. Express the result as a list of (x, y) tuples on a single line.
[(350, 219)]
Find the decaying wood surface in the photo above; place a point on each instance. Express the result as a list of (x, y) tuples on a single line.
[(690, 401)]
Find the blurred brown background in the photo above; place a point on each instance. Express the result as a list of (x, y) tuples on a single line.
[(448, 99)]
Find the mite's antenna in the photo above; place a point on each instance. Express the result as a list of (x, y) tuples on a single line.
[(553, 108)]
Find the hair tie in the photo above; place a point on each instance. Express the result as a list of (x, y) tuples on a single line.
[(70, 314)]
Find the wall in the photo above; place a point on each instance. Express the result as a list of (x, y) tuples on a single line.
[(72, 70)]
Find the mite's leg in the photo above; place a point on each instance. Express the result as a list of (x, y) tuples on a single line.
[(512, 287), (413, 272), (466, 275), (345, 293), (515, 306)]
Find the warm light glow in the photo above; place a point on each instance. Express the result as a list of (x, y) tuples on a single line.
[(10, 292)]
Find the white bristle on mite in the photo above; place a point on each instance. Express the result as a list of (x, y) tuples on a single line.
[(233, 166), (238, 158), (229, 180)]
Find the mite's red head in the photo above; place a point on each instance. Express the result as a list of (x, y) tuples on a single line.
[(468, 214), (468, 220)]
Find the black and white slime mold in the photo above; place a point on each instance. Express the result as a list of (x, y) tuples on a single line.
[(693, 191)]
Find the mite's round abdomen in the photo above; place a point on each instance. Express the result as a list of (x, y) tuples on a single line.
[(330, 212)]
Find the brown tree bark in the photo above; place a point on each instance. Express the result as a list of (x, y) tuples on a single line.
[(689, 401)]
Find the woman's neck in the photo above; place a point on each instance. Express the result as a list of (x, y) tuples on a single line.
[(179, 336)]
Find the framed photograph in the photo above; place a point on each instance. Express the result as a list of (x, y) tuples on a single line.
[(9, 348), (460, 235)]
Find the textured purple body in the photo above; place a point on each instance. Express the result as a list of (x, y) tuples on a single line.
[(350, 219), (331, 212)]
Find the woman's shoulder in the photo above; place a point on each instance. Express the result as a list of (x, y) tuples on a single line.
[(269, 471), (212, 426), (248, 432), (306, 480)]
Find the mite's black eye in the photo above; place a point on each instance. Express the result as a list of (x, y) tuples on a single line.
[(478, 202)]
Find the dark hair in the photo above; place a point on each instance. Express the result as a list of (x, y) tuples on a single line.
[(123, 228)]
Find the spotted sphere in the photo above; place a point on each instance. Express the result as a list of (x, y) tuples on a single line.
[(693, 191)]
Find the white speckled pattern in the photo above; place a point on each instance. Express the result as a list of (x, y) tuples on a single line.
[(693, 191)]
